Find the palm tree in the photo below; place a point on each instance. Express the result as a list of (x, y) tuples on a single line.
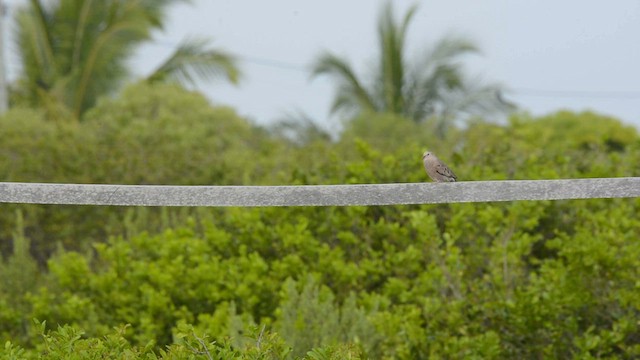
[(433, 86), (74, 51)]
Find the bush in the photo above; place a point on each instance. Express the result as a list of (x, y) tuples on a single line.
[(157, 134), (489, 280)]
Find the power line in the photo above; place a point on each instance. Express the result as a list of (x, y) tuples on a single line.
[(273, 63), (547, 93), (543, 93), (248, 58), (578, 93)]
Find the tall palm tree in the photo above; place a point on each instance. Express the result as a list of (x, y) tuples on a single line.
[(74, 51), (433, 86)]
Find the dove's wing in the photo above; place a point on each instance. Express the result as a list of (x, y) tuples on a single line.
[(443, 170)]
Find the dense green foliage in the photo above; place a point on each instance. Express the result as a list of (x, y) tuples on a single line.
[(488, 280)]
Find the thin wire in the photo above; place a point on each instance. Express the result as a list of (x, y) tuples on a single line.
[(544, 93), (248, 58), (578, 93)]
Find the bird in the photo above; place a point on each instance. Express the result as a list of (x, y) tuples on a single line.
[(436, 169)]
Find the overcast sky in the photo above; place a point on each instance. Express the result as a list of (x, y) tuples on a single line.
[(573, 54)]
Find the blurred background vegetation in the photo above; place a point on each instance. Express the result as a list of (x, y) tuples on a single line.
[(491, 280)]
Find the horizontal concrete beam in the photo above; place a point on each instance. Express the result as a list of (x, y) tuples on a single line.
[(318, 195)]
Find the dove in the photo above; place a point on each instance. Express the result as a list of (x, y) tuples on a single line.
[(436, 169)]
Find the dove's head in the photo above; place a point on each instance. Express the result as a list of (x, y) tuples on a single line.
[(426, 154)]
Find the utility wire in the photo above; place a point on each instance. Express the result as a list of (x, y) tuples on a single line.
[(518, 91), (577, 93), (249, 59)]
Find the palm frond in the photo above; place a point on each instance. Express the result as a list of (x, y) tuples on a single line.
[(299, 128), (35, 44), (351, 93), (476, 99), (104, 57), (41, 25), (436, 73), (450, 48), (155, 10), (77, 49), (392, 37), (193, 60)]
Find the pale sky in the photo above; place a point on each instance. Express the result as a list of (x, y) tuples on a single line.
[(570, 54)]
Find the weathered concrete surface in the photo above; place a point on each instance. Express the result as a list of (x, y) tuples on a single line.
[(318, 195)]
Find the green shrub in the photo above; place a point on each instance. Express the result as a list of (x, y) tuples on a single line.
[(488, 280)]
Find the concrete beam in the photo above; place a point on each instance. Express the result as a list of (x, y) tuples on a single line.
[(319, 195)]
